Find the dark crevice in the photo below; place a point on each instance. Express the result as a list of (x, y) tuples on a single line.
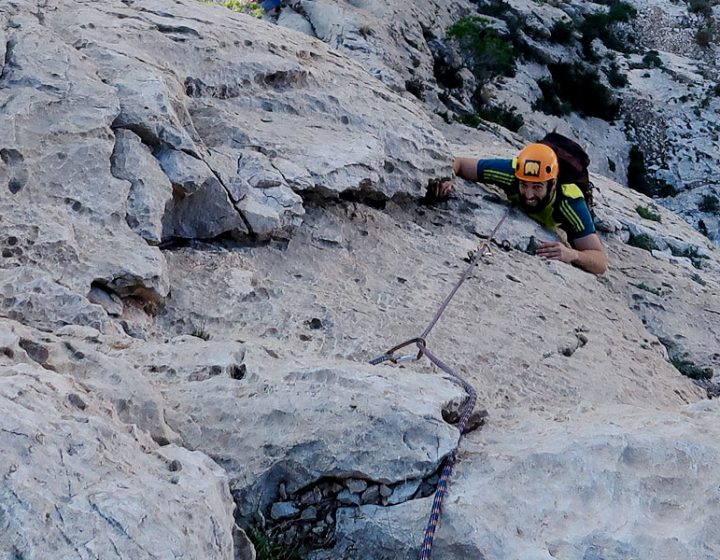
[(306, 519), (7, 62), (36, 352), (251, 233), (147, 136), (227, 240), (179, 29)]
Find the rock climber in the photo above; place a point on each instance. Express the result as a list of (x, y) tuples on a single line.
[(531, 181)]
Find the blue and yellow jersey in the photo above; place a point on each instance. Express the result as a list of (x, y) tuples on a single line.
[(566, 210)]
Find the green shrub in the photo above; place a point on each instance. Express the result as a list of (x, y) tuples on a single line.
[(550, 102), (704, 37), (621, 12), (502, 114), (648, 213), (662, 189), (702, 228), (562, 32), (581, 88), (486, 53), (689, 369), (701, 7), (615, 77), (495, 8), (643, 241), (416, 87), (603, 25), (710, 204), (652, 59), (637, 171)]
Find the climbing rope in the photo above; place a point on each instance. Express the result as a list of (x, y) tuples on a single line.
[(449, 463)]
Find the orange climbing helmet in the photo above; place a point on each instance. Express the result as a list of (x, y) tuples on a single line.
[(536, 163)]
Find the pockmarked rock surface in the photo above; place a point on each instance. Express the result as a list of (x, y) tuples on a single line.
[(101, 487), (638, 486), (210, 224), (331, 419)]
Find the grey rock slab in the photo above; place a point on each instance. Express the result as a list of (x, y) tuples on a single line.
[(400, 536), (356, 486), (403, 492), (347, 498), (260, 87), (202, 207), (186, 359), (198, 299), (150, 190), (323, 419), (31, 296), (61, 147), (283, 510), (584, 487), (111, 303), (113, 379), (80, 483)]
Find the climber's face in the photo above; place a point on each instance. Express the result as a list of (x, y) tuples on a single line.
[(535, 195)]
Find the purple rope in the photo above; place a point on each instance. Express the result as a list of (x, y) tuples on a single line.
[(449, 463)]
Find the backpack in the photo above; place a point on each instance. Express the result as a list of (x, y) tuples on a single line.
[(574, 163)]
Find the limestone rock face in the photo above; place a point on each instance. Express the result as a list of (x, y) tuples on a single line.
[(64, 206), (318, 421), (530, 491), (210, 224), (102, 488), (32, 297)]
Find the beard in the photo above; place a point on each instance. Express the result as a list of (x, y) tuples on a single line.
[(534, 205)]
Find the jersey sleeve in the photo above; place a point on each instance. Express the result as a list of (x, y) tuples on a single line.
[(498, 172), (577, 221)]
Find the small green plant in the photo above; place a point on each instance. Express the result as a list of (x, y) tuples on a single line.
[(695, 277), (690, 253), (689, 369), (200, 332), (648, 213), (702, 228), (249, 7), (643, 241), (268, 547), (366, 31), (710, 204), (645, 287), (416, 86)]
